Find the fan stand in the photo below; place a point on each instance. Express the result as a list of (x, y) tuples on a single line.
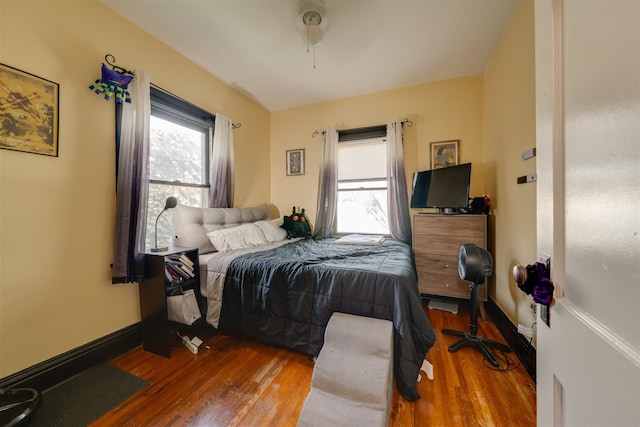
[(471, 338)]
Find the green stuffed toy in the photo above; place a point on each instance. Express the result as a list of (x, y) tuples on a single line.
[(297, 224)]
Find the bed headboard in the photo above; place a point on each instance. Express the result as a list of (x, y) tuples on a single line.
[(191, 224)]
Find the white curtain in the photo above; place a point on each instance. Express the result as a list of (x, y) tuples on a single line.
[(399, 217), (132, 190), (328, 186), (221, 171)]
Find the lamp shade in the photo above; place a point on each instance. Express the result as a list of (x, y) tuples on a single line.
[(171, 203), (313, 33)]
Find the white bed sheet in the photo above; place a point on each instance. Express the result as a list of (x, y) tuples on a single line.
[(213, 271)]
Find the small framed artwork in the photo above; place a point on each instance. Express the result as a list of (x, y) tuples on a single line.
[(444, 153), (295, 162), (30, 112)]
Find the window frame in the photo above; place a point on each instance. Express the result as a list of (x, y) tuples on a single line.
[(172, 108), (168, 107), (353, 136)]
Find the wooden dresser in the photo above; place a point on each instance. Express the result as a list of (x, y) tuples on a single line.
[(436, 239)]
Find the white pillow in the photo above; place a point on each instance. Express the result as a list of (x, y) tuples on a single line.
[(272, 230), (242, 236)]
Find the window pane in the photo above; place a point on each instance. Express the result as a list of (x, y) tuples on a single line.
[(363, 211), (362, 187), (176, 152), (158, 193), (362, 160), (177, 155)]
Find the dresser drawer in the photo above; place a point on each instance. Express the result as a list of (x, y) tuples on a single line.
[(445, 264), (449, 225), (445, 245), (447, 285)]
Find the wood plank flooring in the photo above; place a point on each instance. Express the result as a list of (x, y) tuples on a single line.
[(240, 382)]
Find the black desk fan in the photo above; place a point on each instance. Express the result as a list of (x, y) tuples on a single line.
[(475, 265)]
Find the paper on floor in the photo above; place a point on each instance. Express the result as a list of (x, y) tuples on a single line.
[(427, 368)]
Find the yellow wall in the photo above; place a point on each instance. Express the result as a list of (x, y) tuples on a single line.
[(57, 214), (509, 130), (443, 110)]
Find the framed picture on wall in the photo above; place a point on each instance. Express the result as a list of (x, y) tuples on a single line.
[(444, 153), (30, 112), (295, 162)]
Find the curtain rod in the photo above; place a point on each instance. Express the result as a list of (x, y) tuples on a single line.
[(233, 125), (317, 132), (110, 59)]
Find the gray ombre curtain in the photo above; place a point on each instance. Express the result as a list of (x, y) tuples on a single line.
[(132, 189), (221, 171), (328, 186), (399, 217)]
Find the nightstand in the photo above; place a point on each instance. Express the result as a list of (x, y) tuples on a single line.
[(166, 273)]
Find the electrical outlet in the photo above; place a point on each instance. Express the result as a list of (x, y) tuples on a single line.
[(196, 341), (527, 332), (534, 309), (190, 345)]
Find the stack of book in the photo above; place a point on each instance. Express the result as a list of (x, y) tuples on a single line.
[(177, 268)]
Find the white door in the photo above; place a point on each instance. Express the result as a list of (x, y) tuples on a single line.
[(588, 207)]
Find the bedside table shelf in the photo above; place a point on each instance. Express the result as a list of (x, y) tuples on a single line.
[(158, 332)]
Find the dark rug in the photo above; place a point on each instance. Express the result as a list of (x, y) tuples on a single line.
[(86, 397)]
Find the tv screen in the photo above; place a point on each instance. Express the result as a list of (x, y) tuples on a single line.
[(442, 188)]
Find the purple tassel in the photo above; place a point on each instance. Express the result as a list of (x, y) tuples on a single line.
[(538, 284), (543, 291)]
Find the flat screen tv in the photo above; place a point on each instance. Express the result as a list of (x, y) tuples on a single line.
[(445, 188)]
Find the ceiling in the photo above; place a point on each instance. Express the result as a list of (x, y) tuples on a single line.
[(256, 46)]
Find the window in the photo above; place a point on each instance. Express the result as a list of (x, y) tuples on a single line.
[(362, 186), (180, 135)]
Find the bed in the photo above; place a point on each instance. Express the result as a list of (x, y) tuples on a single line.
[(283, 291)]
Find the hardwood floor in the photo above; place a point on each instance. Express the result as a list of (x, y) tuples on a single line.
[(239, 382)]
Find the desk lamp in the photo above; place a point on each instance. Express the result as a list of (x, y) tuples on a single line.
[(171, 203)]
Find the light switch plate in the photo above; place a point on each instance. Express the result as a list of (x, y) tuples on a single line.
[(529, 154)]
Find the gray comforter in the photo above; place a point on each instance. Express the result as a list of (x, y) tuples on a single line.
[(286, 296)]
